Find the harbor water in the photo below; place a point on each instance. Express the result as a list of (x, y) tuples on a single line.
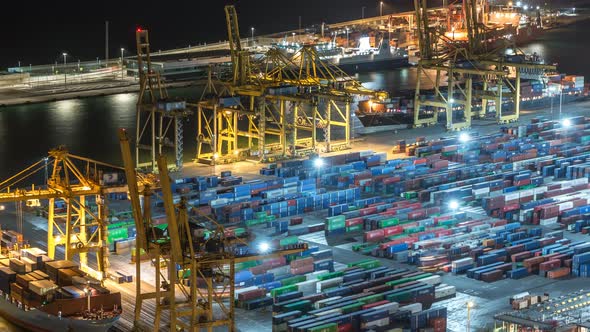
[(88, 127)]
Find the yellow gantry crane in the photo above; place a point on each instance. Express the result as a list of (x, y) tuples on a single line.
[(275, 108), (74, 182), (194, 274), (462, 65)]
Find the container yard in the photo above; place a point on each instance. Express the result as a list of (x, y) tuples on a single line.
[(474, 217)]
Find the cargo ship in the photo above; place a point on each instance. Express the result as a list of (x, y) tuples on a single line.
[(382, 58), (354, 60), (42, 295)]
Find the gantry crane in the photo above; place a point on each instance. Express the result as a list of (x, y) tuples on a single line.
[(465, 64), (277, 107), (208, 260), (159, 118), (74, 181)]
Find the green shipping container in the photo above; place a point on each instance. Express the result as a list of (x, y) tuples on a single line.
[(360, 262), (289, 240), (282, 290), (388, 222), (292, 280), (335, 222), (351, 307), (332, 327), (330, 275), (371, 299), (303, 306), (355, 228)]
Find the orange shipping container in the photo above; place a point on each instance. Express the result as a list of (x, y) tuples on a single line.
[(558, 273)]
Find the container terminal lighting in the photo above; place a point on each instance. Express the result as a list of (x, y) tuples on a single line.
[(318, 162), (453, 205), (566, 123), (264, 247), (464, 137)]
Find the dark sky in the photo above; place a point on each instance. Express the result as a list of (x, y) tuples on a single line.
[(39, 31)]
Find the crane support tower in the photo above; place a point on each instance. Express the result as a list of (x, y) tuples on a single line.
[(159, 117), (477, 72), (275, 108)]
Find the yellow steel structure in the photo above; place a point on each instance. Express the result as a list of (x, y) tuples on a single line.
[(463, 64), (79, 229), (159, 119), (276, 108), (210, 263)]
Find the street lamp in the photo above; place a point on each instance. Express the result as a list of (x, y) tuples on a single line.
[(363, 12), (450, 119), (566, 123), (293, 33), (464, 137), (122, 52), (65, 74), (264, 247), (453, 30), (88, 293), (470, 305), (453, 205), (347, 37), (381, 8), (252, 29)]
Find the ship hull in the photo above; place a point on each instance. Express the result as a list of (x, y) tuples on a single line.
[(39, 321), (372, 65)]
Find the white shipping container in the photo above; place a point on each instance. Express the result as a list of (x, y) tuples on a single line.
[(280, 271), (511, 196), (481, 191), (413, 308), (432, 280), (307, 287), (318, 304), (325, 284), (548, 221), (526, 193), (481, 227), (540, 190), (327, 312), (366, 153), (392, 307), (565, 206), (378, 322), (462, 262), (444, 291)]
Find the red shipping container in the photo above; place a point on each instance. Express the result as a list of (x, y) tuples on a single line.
[(345, 327), (253, 294), (368, 211), (393, 230), (374, 304), (302, 269), (296, 221), (499, 223), (511, 207), (550, 265), (415, 215), (302, 262), (519, 257), (437, 219), (373, 236), (354, 222)]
